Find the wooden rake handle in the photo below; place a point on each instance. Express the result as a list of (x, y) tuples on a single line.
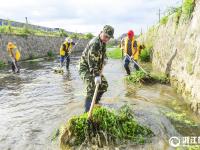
[(93, 101)]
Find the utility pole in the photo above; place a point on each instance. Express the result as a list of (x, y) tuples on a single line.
[(159, 12), (26, 20)]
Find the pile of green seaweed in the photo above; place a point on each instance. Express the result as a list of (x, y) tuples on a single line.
[(144, 78), (107, 128)]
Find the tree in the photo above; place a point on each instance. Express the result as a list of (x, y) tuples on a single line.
[(89, 36)]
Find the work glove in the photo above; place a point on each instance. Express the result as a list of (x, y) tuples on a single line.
[(97, 80)]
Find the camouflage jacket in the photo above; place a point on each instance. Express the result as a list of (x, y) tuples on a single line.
[(93, 56)]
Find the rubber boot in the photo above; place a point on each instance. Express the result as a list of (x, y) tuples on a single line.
[(13, 67), (127, 69), (126, 66), (67, 63), (18, 67), (67, 66)]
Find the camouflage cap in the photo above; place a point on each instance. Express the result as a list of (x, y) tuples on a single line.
[(108, 30)]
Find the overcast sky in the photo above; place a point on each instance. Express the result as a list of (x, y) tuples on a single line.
[(87, 15)]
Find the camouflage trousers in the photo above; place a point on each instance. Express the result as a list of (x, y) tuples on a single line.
[(88, 79)]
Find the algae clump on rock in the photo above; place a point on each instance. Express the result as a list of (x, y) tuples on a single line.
[(139, 77), (108, 128)]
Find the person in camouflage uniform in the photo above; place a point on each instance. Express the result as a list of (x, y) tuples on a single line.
[(91, 65)]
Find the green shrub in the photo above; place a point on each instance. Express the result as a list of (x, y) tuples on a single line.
[(188, 8), (50, 53), (2, 29), (164, 20), (89, 36), (9, 29), (6, 29), (74, 36), (160, 78), (107, 127), (145, 55), (2, 64), (63, 33)]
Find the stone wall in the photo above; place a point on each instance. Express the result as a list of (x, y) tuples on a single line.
[(176, 52), (35, 46)]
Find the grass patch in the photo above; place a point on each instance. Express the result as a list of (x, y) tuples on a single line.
[(188, 8), (189, 147), (160, 78), (110, 128), (86, 36), (164, 20), (180, 118), (26, 31), (2, 64), (183, 123), (139, 77), (63, 33), (89, 36), (50, 54), (115, 53)]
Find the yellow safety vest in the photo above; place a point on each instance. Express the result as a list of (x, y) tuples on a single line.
[(15, 52), (62, 51), (136, 56)]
